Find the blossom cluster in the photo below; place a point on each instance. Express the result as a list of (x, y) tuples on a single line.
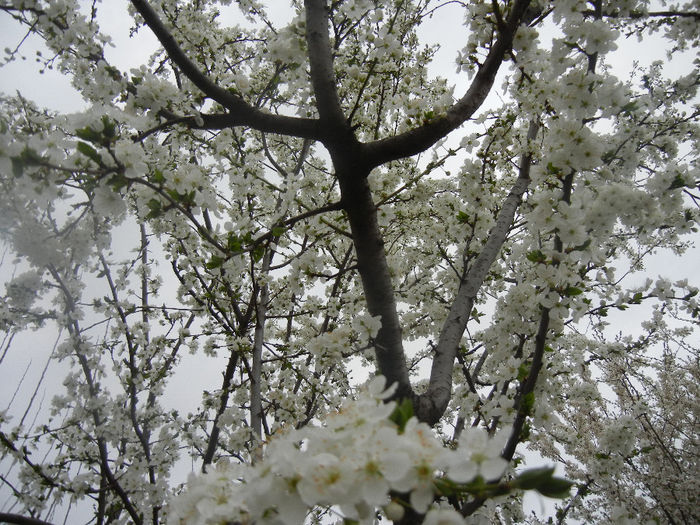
[(354, 463)]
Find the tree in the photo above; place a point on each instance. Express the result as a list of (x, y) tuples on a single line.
[(287, 209)]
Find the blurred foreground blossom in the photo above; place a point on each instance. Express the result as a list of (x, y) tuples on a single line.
[(354, 462)]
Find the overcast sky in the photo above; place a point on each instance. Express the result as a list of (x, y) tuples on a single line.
[(54, 91)]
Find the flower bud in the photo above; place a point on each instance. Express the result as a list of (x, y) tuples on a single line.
[(394, 511)]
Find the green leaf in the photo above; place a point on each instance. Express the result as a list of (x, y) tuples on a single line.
[(476, 315), (234, 243), (278, 230), (103, 137), (117, 182), (401, 414), (28, 157), (531, 478), (582, 246), (155, 208), (543, 481), (629, 107), (571, 291), (89, 134), (678, 182), (215, 262), (528, 402), (186, 199), (189, 198), (559, 488), (113, 72), (536, 256), (525, 432), (552, 169), (523, 371), (109, 128), (258, 252), (446, 487), (637, 298), (463, 218), (89, 151), (158, 177)]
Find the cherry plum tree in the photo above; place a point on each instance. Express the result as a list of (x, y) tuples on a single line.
[(259, 216)]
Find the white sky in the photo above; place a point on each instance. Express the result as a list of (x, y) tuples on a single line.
[(54, 91)]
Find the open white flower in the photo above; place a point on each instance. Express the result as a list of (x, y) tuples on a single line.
[(354, 462), (477, 454)]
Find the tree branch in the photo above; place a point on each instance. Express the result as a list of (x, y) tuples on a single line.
[(356, 199), (256, 410), (213, 441), (6, 517), (321, 64), (419, 139), (528, 387), (241, 113), (376, 278), (93, 390), (433, 403)]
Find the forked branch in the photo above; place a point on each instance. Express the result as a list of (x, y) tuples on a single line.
[(241, 113)]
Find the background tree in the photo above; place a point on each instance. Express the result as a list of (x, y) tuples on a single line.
[(298, 206)]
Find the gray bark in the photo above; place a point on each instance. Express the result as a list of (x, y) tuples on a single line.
[(433, 403), (353, 161)]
